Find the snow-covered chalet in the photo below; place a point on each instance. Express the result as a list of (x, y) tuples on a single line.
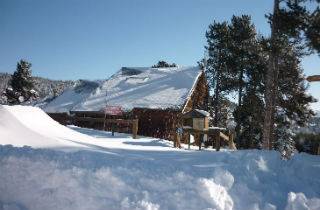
[(155, 96)]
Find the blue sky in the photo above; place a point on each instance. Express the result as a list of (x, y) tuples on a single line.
[(91, 39)]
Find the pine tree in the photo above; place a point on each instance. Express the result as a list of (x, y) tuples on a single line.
[(244, 61), (235, 65), (292, 22), (312, 30), (243, 43), (284, 134), (239, 61), (217, 36), (292, 99), (21, 85), (164, 64), (249, 114)]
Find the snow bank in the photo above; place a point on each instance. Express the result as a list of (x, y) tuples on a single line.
[(103, 172), (16, 133), (26, 125), (132, 87), (129, 179)]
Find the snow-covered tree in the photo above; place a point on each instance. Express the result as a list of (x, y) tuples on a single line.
[(21, 85), (284, 135), (164, 64), (296, 22)]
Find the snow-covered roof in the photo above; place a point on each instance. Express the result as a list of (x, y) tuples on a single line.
[(134, 87)]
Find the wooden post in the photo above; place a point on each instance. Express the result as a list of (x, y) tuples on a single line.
[(112, 129), (135, 128), (200, 140), (217, 138), (231, 142), (176, 142), (104, 122), (197, 138), (188, 140), (179, 141)]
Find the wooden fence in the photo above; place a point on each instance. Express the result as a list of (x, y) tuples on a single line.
[(98, 120), (155, 123)]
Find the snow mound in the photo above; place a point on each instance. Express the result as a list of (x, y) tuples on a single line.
[(26, 125), (132, 87)]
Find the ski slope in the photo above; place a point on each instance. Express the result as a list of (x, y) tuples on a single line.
[(77, 168)]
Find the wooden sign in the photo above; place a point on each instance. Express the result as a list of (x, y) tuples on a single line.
[(314, 78), (113, 110)]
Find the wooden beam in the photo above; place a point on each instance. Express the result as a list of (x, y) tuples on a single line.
[(225, 137), (92, 119), (88, 119), (135, 128), (314, 78)]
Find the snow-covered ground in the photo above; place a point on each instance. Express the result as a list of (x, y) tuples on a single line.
[(77, 168)]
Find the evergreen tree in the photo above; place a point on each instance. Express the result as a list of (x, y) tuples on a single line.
[(250, 117), (164, 64), (292, 101), (292, 22), (252, 108), (21, 85), (242, 45), (217, 36), (312, 30), (284, 134), (236, 64), (245, 52), (236, 67)]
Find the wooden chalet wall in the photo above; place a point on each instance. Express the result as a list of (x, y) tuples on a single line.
[(62, 118), (156, 122), (200, 95)]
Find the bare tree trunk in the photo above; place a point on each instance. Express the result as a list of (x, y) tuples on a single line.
[(271, 83), (240, 87), (240, 80), (216, 100)]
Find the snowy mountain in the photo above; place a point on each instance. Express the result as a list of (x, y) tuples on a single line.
[(141, 87), (46, 88)]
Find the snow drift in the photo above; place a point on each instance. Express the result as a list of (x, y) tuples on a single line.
[(26, 125)]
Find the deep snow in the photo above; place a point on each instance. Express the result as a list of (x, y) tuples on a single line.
[(98, 171)]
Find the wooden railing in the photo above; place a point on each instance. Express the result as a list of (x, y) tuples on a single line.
[(64, 119), (216, 133)]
